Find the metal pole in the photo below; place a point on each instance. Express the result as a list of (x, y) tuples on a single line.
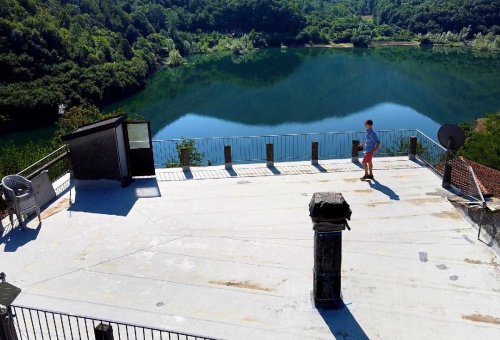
[(103, 332), (447, 167), (314, 153), (269, 155), (185, 159), (481, 197), (7, 328), (354, 153), (227, 157), (413, 148)]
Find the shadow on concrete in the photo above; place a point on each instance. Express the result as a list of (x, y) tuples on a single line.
[(319, 167), (489, 244), (342, 323), (358, 164), (419, 162), (231, 172), (274, 170), (18, 237), (384, 189), (114, 201), (188, 174)]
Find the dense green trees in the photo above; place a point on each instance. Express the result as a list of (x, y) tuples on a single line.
[(423, 16), (92, 51), (481, 144), (95, 51), (58, 52)]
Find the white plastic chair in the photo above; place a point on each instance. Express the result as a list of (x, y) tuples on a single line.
[(20, 198)]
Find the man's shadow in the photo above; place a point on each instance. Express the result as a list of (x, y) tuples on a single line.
[(384, 189)]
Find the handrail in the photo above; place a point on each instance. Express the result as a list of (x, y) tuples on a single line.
[(430, 139), (483, 202), (62, 148), (288, 147), (477, 185), (47, 165), (283, 135)]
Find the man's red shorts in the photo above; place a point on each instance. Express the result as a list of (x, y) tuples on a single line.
[(368, 157)]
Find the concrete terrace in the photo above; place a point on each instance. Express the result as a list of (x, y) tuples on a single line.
[(230, 255)]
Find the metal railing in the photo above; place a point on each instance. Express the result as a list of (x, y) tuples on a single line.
[(33, 323), (248, 149), (289, 147), (430, 152), (461, 176), (464, 179), (476, 187), (57, 161)]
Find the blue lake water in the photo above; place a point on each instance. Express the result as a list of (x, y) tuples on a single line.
[(318, 90)]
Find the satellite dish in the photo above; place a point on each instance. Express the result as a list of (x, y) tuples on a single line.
[(451, 136)]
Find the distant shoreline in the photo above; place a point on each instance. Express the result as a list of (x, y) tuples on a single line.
[(395, 43), (373, 44)]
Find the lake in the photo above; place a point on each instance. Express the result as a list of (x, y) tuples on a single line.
[(304, 90)]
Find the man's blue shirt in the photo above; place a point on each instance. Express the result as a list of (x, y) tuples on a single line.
[(371, 140)]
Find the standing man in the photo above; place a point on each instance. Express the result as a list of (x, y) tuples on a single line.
[(371, 145)]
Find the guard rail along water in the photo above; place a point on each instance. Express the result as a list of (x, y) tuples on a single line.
[(291, 147), (252, 149)]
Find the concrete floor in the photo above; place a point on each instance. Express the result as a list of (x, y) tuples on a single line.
[(230, 255)]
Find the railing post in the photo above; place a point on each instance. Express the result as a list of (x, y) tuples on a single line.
[(103, 332), (227, 157), (269, 154), (314, 153), (447, 171), (7, 328), (3, 205), (413, 148), (185, 159), (354, 154), (447, 176)]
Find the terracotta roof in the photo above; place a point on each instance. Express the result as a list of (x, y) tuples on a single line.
[(488, 178)]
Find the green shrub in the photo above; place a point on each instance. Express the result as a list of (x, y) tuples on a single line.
[(14, 158), (482, 145), (195, 156), (174, 58), (402, 147)]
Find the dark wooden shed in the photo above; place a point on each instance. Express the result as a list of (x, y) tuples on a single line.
[(98, 151), (110, 151)]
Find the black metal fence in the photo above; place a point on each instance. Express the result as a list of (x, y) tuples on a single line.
[(290, 147), (31, 323)]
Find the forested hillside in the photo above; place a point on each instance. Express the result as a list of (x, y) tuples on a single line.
[(422, 16), (96, 51)]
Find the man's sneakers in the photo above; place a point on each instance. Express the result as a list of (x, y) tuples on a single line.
[(365, 177)]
